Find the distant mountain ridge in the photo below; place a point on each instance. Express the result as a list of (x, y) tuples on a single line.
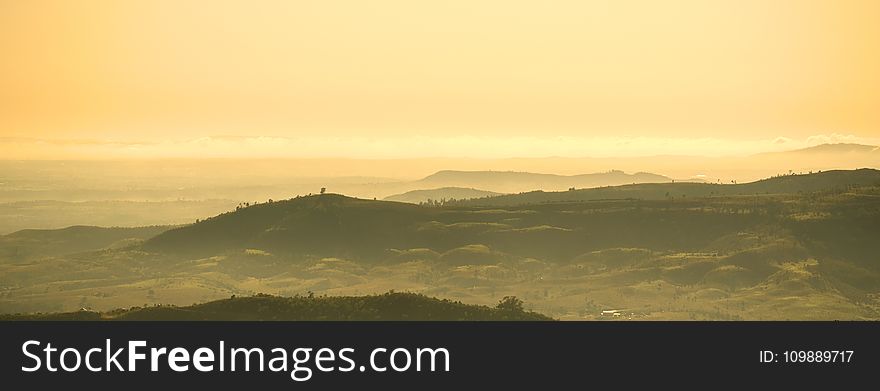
[(830, 149), (838, 148), (786, 184), (514, 181)]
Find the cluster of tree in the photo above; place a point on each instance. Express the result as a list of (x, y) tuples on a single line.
[(387, 306), (440, 202)]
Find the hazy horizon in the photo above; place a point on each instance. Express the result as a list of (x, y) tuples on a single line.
[(748, 167), (408, 147)]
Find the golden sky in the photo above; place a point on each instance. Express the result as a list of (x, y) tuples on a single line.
[(427, 78)]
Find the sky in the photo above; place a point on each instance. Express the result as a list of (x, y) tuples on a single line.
[(473, 78)]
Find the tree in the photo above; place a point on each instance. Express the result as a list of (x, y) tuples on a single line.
[(510, 303)]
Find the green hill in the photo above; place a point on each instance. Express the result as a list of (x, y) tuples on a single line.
[(388, 306), (328, 224)]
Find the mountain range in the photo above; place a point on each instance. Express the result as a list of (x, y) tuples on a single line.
[(335, 225), (796, 246)]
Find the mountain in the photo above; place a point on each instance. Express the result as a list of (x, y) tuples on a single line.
[(384, 307), (787, 184), (443, 193), (513, 182)]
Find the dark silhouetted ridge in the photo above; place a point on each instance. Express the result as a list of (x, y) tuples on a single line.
[(327, 224), (388, 306)]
